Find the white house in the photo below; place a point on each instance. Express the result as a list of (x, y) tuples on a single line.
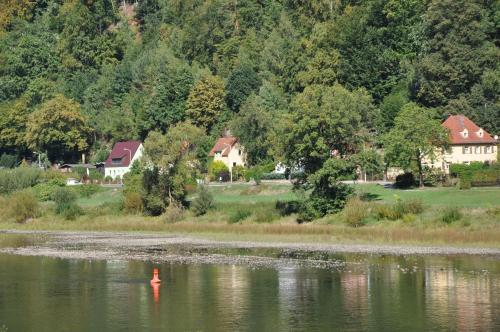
[(122, 157), (468, 143), (228, 150)]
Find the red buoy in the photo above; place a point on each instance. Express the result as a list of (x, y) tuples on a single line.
[(156, 279)]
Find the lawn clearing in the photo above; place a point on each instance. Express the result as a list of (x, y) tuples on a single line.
[(449, 196), (107, 195)]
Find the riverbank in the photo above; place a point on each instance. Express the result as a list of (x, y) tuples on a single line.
[(203, 249)]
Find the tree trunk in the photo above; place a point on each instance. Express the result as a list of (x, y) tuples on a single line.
[(420, 172)]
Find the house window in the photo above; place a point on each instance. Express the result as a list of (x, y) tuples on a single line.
[(467, 162), (480, 133), (465, 133), (477, 150), (239, 152), (487, 149), (116, 161), (234, 164), (217, 154), (466, 150)]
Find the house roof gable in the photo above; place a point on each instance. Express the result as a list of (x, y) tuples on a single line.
[(456, 124), (224, 146), (120, 150)]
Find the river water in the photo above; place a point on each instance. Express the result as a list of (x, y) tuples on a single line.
[(363, 293)]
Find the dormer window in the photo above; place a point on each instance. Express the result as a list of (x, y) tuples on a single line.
[(217, 154), (116, 161), (480, 133), (465, 133)]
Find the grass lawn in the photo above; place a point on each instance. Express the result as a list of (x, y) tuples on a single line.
[(475, 197), (107, 195), (244, 193)]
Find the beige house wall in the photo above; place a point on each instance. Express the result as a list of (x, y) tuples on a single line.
[(235, 157), (455, 155)]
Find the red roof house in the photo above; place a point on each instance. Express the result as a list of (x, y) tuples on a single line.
[(223, 146), (463, 131), (122, 154)]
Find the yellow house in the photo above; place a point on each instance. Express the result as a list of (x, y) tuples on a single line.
[(468, 143), (228, 150)]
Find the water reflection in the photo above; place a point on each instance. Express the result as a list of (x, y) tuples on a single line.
[(370, 293)]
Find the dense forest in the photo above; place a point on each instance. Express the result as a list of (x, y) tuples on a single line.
[(78, 75)]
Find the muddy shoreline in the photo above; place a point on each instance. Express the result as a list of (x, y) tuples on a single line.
[(192, 250)]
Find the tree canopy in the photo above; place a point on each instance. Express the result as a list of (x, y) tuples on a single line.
[(257, 67)]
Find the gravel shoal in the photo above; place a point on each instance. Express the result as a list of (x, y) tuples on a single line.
[(192, 250)]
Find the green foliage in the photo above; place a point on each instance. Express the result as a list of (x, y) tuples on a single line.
[(355, 211), (405, 181), (218, 169), (174, 158), (58, 127), (399, 209), (65, 203), (206, 101), (476, 174), (240, 84), (18, 178), (8, 160), (326, 119), (416, 135), (450, 215), (45, 191), (22, 205), (87, 190), (239, 215), (328, 193), (302, 79), (203, 202)]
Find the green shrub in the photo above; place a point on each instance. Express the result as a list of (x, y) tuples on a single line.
[(8, 161), (451, 214), (464, 183), (494, 211), (356, 211), (45, 191), (385, 211), (153, 205), (22, 205), (308, 212), (217, 170), (239, 215), (108, 179), (286, 208), (173, 213), (409, 218), (265, 213), (398, 210), (203, 202), (433, 177), (239, 173), (18, 178), (87, 190), (132, 202), (404, 181), (65, 200), (413, 206)]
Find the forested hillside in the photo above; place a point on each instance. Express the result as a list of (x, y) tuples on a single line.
[(78, 75)]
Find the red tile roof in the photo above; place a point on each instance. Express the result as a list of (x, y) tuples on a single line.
[(121, 150), (223, 145), (456, 125)]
